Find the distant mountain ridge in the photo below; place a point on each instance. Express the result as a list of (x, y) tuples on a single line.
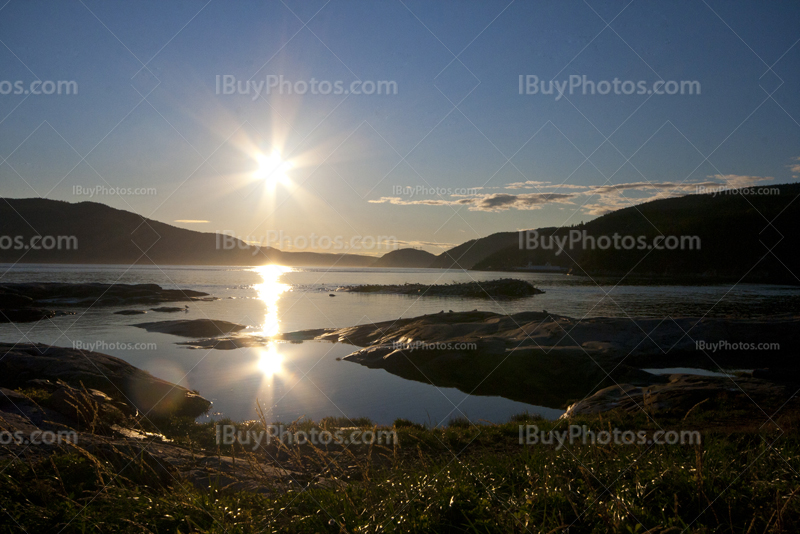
[(109, 235), (752, 238)]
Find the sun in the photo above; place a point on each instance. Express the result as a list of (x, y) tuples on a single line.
[(272, 168)]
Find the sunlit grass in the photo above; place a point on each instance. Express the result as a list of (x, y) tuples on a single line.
[(461, 478)]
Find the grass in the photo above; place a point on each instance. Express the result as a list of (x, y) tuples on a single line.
[(457, 478)]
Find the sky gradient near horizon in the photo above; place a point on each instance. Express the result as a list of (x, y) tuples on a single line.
[(151, 119)]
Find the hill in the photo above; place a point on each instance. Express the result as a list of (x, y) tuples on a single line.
[(407, 258), (466, 255), (728, 236), (111, 236)]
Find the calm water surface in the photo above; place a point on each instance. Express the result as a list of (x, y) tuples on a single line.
[(294, 380)]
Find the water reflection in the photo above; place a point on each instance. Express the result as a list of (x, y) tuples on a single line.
[(270, 361), (269, 291)]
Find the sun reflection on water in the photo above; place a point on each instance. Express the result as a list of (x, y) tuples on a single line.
[(269, 360), (269, 291)]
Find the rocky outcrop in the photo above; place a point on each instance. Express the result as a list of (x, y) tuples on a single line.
[(93, 294), (492, 289), (192, 327), (28, 302), (22, 365), (146, 457), (551, 360), (684, 393), (92, 405)]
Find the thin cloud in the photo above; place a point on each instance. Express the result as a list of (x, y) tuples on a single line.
[(487, 202), (602, 199), (424, 244), (737, 181)]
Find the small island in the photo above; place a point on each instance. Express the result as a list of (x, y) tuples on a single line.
[(506, 288)]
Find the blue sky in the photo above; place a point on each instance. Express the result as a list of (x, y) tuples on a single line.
[(480, 156)]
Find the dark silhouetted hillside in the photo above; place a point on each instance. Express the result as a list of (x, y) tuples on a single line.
[(741, 237), (406, 258), (108, 235), (466, 255)]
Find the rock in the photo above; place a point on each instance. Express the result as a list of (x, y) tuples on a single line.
[(88, 407), (15, 402), (502, 289), (192, 327), (684, 392), (546, 359), (13, 300), (95, 294), (24, 315), (24, 302), (130, 312), (126, 384), (168, 309), (149, 459)]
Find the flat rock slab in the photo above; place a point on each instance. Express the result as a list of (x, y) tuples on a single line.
[(546, 359), (20, 364), (130, 312), (192, 327)]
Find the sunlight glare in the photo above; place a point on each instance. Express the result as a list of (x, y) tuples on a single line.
[(269, 292), (272, 168), (269, 361)]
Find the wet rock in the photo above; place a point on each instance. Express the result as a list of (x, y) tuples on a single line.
[(130, 312), (192, 327), (126, 384)]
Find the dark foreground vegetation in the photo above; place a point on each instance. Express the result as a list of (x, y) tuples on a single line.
[(742, 478)]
